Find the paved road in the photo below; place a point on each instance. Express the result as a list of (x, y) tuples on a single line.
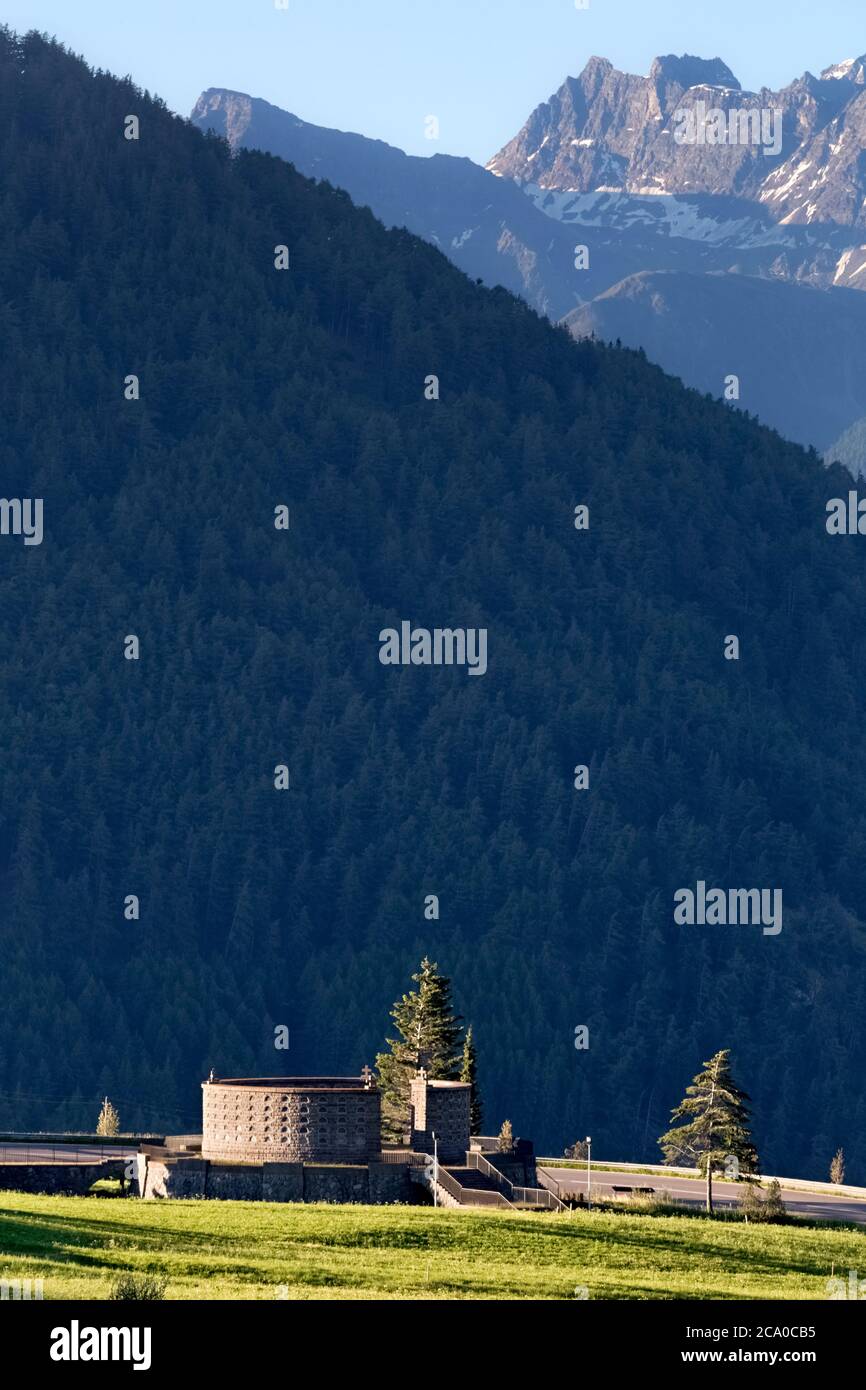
[(693, 1190), (64, 1153)]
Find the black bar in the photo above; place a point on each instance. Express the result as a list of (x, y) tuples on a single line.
[(659, 1335)]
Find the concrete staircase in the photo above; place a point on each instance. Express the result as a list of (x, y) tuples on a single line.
[(478, 1184), (440, 1193), (473, 1180), (459, 1186)]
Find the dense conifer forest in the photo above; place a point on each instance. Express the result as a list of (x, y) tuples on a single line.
[(259, 647)]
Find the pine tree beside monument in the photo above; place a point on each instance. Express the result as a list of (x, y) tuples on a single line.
[(505, 1139), (428, 1036), (716, 1128), (469, 1072), (108, 1123)]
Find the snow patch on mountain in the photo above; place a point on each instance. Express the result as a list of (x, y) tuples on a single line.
[(852, 70), (458, 241), (663, 212), (851, 265)]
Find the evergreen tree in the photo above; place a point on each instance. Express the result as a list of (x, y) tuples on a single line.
[(755, 1205), (752, 1203), (469, 1072), (837, 1167), (109, 1120), (774, 1207), (428, 1036), (717, 1125), (505, 1140)]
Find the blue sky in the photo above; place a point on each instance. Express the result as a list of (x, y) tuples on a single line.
[(480, 66)]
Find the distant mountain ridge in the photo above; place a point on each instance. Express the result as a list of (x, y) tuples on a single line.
[(774, 220), (688, 323), (597, 165), (608, 130), (485, 225)]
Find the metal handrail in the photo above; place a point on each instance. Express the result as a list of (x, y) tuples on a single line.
[(49, 1153), (466, 1196), (477, 1160), (538, 1197), (552, 1200), (478, 1197), (443, 1179), (551, 1184)]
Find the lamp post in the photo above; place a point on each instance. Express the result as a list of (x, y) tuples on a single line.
[(588, 1142), (435, 1169)]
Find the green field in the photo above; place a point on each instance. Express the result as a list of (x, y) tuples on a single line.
[(228, 1250)]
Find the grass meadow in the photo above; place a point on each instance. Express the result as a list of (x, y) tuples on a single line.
[(254, 1250)]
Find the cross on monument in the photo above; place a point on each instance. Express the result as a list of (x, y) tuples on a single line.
[(367, 1077)]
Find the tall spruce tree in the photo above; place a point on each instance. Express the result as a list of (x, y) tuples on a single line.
[(717, 1125), (109, 1120), (469, 1072), (428, 1036)]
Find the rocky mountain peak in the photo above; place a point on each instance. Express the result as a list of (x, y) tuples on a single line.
[(594, 74), (227, 112), (609, 131), (851, 70), (688, 71)]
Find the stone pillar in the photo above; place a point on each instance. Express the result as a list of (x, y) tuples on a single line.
[(418, 1098), (441, 1108)]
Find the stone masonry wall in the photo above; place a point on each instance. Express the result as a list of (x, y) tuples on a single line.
[(293, 1122), (441, 1108), (72, 1178), (377, 1183)]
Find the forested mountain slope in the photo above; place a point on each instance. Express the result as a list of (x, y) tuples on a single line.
[(485, 225), (258, 647), (690, 324)]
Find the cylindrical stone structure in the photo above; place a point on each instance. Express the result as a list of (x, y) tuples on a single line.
[(291, 1119)]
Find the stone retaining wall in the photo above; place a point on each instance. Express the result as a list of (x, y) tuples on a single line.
[(72, 1179), (378, 1183)]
